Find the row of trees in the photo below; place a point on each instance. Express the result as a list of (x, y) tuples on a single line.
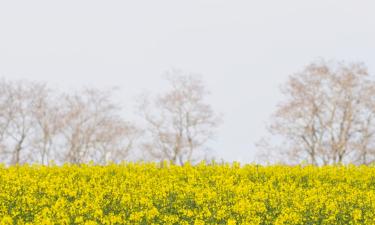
[(39, 125), (327, 116)]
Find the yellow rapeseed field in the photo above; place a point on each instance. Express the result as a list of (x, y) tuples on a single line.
[(143, 193)]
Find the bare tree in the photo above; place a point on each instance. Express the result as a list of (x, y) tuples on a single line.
[(93, 129), (179, 122), (38, 125), (48, 125), (327, 117), (18, 101), (6, 112)]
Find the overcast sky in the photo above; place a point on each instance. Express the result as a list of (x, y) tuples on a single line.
[(244, 49)]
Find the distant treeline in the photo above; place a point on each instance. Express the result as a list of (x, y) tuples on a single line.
[(40, 125), (327, 117)]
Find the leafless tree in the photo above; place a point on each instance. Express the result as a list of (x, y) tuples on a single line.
[(18, 101), (38, 125), (179, 122), (6, 112), (48, 125), (328, 114), (93, 128)]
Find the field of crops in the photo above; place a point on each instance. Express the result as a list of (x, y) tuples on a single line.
[(202, 194)]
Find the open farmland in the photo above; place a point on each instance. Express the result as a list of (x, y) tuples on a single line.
[(202, 194)]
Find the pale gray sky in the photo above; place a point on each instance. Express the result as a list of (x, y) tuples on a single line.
[(244, 49)]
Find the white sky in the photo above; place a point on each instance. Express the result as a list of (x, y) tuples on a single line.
[(244, 49)]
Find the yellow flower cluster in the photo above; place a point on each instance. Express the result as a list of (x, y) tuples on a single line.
[(204, 194)]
